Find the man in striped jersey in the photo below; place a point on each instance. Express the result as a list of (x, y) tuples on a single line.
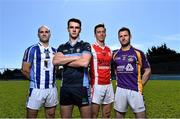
[(100, 74), (38, 68), (132, 72)]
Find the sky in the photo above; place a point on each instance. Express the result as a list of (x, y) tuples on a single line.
[(152, 23)]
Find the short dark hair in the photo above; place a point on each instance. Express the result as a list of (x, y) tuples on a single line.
[(125, 29), (74, 20), (97, 26)]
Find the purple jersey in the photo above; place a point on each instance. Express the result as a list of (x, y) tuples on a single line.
[(129, 66)]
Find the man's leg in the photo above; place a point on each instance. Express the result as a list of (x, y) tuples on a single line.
[(85, 111), (50, 112), (94, 110), (66, 111), (106, 110), (136, 102), (31, 113), (120, 114), (121, 102), (140, 114)]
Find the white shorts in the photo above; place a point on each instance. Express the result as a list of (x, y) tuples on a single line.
[(102, 94), (125, 97), (42, 97)]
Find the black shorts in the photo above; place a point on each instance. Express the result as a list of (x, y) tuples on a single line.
[(79, 96)]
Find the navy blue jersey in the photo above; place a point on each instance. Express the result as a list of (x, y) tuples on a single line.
[(75, 76)]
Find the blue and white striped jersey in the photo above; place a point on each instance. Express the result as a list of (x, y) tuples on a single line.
[(42, 71)]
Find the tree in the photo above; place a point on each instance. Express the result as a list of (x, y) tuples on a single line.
[(160, 50), (0, 76), (163, 60), (11, 74)]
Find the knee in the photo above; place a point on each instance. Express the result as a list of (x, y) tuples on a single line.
[(94, 114), (107, 114), (51, 115), (120, 114)]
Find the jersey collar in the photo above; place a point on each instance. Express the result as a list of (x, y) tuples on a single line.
[(42, 47), (77, 40), (127, 50), (97, 44)]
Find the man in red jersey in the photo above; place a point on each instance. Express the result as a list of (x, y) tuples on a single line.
[(100, 74)]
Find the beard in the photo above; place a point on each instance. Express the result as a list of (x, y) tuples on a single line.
[(126, 44)]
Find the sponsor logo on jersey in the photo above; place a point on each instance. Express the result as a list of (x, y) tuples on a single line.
[(129, 67), (120, 68), (123, 57), (65, 51)]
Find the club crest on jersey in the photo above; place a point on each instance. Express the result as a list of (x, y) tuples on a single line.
[(78, 50), (130, 58), (104, 54)]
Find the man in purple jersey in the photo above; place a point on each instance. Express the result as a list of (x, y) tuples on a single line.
[(132, 71)]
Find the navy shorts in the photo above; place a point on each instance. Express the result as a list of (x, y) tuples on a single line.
[(79, 96)]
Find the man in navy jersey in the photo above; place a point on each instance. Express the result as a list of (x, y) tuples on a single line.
[(132, 72), (74, 56), (38, 68)]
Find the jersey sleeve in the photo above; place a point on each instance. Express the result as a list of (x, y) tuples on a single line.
[(54, 50), (113, 64), (145, 62), (28, 55), (60, 48), (86, 48)]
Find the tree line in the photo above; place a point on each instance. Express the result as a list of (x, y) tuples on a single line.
[(17, 74), (162, 59)]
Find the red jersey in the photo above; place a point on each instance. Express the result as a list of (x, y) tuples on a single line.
[(100, 65)]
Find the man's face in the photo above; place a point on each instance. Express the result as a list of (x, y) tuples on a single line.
[(124, 38), (100, 34), (44, 35), (74, 30)]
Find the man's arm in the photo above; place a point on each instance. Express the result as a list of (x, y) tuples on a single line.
[(146, 76), (61, 59), (26, 69), (83, 61)]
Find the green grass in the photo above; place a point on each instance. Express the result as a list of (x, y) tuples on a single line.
[(162, 99)]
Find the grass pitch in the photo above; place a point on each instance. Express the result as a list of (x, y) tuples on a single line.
[(162, 99)]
